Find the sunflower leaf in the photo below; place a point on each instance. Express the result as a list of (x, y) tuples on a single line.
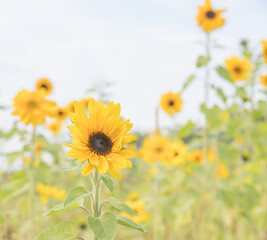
[(75, 194), (60, 207), (188, 81), (121, 206), (124, 221), (108, 182), (61, 231), (104, 227), (224, 73), (202, 61)]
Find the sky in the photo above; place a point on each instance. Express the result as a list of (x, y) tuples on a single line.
[(144, 47)]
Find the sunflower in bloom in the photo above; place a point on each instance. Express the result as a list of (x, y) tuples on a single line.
[(84, 102), (44, 85), (178, 153), (264, 50), (55, 127), (264, 80), (61, 113), (99, 139), (208, 18), (239, 69), (222, 171), (32, 107), (137, 205), (171, 103), (70, 107), (155, 149), (196, 156)]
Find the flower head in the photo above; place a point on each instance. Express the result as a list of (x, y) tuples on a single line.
[(222, 171), (32, 107), (99, 139), (239, 69), (196, 156), (264, 50), (178, 152), (44, 86), (155, 149), (61, 113), (171, 103), (264, 80), (208, 18), (55, 127)]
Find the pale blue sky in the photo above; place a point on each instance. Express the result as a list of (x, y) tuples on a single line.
[(146, 47)]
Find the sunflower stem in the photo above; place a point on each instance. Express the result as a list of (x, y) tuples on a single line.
[(31, 184), (96, 197), (207, 86)]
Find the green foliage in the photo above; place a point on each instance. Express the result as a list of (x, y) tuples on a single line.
[(103, 227), (202, 61), (75, 194), (121, 206), (108, 182), (124, 221), (224, 73)]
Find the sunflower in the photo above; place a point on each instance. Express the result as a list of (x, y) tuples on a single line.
[(264, 80), (171, 103), (264, 50), (70, 107), (55, 127), (224, 116), (155, 148), (61, 113), (239, 69), (32, 107), (209, 19), (84, 102), (196, 156), (178, 152), (222, 171), (137, 205), (44, 85), (99, 139)]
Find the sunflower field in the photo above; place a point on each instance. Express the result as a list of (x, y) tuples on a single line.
[(83, 171)]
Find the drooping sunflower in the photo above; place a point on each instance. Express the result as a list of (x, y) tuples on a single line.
[(264, 50), (178, 152), (208, 18), (99, 139), (32, 107), (44, 85), (264, 80), (155, 149), (61, 113), (239, 69), (171, 103)]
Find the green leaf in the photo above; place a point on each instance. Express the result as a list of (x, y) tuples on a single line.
[(122, 206), (186, 130), (188, 81), (129, 223), (224, 73), (60, 207), (104, 227), (108, 182), (220, 93), (202, 61), (61, 231), (75, 194)]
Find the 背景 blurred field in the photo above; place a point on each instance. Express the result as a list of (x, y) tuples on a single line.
[(193, 166)]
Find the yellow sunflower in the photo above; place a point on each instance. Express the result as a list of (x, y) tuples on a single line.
[(137, 205), (171, 103), (264, 80), (208, 18), (84, 102), (264, 50), (32, 107), (44, 85), (55, 127), (239, 69), (196, 156), (178, 152), (99, 139), (222, 171), (155, 149), (70, 107), (61, 113)]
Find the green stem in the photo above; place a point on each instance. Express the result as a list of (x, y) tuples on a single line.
[(31, 184), (96, 197), (207, 86)]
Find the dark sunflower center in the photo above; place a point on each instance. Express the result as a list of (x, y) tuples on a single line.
[(158, 150), (60, 113), (237, 70), (32, 104), (210, 14), (44, 86), (176, 154), (171, 103), (100, 143)]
